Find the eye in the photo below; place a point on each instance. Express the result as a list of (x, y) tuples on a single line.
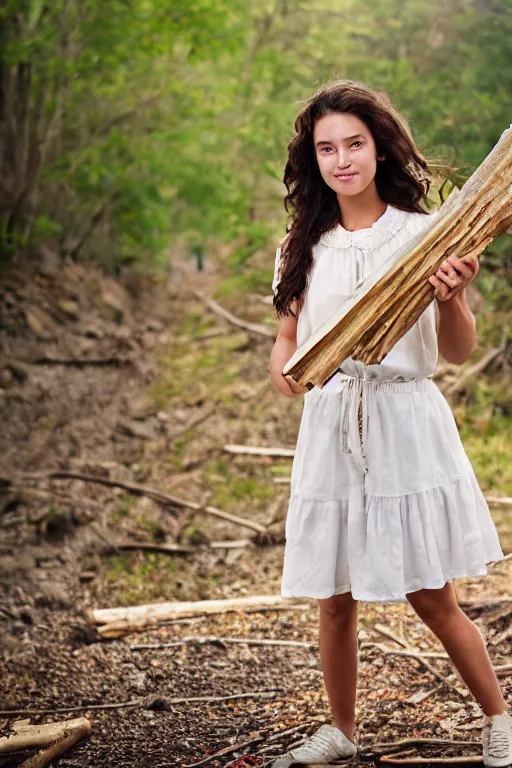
[(356, 142), (323, 148)]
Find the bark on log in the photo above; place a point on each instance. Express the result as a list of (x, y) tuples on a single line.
[(69, 740), (391, 300), (116, 622)]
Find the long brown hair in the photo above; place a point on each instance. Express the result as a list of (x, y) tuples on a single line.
[(402, 178)]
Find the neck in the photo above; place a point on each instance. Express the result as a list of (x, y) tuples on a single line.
[(361, 211)]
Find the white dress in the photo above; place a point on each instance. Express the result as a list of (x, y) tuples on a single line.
[(393, 505)]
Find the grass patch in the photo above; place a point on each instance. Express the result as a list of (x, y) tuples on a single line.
[(233, 486), (192, 371)]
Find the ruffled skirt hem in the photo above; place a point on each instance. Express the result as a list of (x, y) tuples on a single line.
[(382, 547)]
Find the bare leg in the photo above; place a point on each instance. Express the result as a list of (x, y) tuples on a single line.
[(338, 656), (463, 642)]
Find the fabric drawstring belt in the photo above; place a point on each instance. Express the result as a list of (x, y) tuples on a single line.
[(355, 397)]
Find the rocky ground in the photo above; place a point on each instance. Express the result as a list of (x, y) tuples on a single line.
[(118, 385)]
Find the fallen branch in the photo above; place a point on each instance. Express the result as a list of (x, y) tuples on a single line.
[(133, 704), (433, 671), (119, 621), (226, 751), (394, 652), (243, 744), (262, 330), (36, 736), (382, 747), (505, 669), (501, 638), (475, 605), (179, 549), (152, 493), (198, 640), (194, 421), (389, 634), (499, 501), (249, 450), (420, 696), (163, 549), (46, 756), (433, 760), (79, 363), (473, 370)]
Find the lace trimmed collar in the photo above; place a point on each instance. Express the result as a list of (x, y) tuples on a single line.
[(368, 238)]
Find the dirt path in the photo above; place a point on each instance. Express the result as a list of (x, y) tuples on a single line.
[(148, 390)]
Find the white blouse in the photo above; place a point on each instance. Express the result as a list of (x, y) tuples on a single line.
[(342, 260)]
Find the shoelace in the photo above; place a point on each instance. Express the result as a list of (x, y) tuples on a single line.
[(498, 743)]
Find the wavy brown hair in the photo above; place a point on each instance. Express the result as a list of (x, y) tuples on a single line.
[(402, 179)]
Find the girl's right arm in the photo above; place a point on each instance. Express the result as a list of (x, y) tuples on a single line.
[(284, 347)]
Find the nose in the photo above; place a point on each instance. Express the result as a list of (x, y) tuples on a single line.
[(342, 161)]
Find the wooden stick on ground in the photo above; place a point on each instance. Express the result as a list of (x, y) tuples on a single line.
[(201, 640), (57, 749), (421, 659), (152, 493), (179, 549), (36, 736), (135, 704), (381, 747), (249, 450), (473, 370), (261, 330), (433, 760), (119, 621)]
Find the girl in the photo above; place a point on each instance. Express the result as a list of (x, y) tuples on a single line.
[(384, 503)]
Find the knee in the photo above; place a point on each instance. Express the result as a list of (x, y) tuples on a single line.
[(339, 611), (436, 614)]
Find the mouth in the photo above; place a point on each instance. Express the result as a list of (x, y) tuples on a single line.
[(345, 176)]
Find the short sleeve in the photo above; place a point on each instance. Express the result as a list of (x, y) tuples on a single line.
[(277, 267)]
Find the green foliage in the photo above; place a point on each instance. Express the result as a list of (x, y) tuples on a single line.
[(167, 120)]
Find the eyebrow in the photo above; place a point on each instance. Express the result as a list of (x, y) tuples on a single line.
[(348, 138)]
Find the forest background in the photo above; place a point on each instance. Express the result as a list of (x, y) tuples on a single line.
[(137, 133)]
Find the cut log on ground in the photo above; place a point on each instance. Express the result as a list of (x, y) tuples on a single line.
[(115, 622), (36, 736), (71, 737), (391, 300)]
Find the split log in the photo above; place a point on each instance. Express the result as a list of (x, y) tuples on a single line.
[(37, 736), (391, 300), (116, 622)]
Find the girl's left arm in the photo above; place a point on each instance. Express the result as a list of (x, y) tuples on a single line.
[(456, 333)]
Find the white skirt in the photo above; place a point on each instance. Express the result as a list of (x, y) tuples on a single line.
[(387, 506)]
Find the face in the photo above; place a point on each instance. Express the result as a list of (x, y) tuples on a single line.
[(345, 152)]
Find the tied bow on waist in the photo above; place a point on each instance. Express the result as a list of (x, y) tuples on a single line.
[(354, 418)]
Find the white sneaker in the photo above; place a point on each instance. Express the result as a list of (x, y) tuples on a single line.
[(497, 741), (328, 743)]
